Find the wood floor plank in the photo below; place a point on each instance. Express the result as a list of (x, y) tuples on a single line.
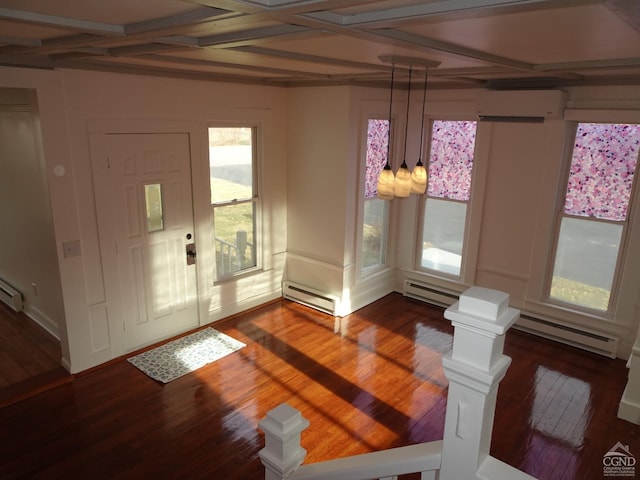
[(369, 381), (26, 350)]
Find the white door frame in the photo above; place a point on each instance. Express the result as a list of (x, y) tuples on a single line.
[(98, 129)]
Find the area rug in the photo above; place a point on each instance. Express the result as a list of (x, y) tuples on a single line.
[(186, 354)]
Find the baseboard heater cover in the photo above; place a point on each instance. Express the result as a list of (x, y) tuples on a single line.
[(310, 297), (10, 296), (426, 293), (600, 343)]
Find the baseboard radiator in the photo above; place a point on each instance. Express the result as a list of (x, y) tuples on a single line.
[(310, 297), (595, 342), (421, 291), (10, 296), (591, 341)]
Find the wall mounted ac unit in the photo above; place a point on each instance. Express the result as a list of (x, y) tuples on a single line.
[(520, 105)]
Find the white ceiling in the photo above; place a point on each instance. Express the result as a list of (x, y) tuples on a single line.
[(477, 43)]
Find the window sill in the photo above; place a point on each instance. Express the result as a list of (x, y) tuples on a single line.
[(574, 317), (232, 277)]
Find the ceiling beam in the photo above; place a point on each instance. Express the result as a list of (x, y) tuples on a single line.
[(302, 57), (237, 66), (589, 65), (252, 34), (22, 42), (627, 10), (419, 11), (32, 61), (65, 23), (193, 17)]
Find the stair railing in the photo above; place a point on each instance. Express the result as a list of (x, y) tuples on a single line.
[(474, 367)]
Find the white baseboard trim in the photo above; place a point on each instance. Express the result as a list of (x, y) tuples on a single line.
[(66, 364), (239, 307), (628, 410), (44, 321)]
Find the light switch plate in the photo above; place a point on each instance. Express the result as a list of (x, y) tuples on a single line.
[(71, 249)]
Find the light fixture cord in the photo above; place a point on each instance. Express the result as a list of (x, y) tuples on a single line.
[(406, 123), (424, 100), (393, 68)]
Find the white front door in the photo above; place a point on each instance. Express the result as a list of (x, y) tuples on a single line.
[(151, 203)]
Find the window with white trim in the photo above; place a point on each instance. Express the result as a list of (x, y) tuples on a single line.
[(593, 222), (234, 199), (376, 211), (451, 154)]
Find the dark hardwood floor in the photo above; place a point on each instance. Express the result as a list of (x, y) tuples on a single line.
[(30, 357), (369, 381)]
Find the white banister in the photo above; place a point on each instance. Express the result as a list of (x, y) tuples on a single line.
[(474, 368), (282, 452), (423, 457)]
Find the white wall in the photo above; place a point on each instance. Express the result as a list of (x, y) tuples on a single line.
[(518, 184), (327, 141), (28, 260), (55, 146), (311, 156), (71, 101), (520, 171), (317, 172), (151, 101), (517, 177)]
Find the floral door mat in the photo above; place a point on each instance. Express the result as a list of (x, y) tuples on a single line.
[(186, 354)]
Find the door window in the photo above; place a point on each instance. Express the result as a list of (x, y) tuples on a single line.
[(153, 207)]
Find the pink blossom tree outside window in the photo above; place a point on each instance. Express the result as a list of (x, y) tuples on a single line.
[(594, 217), (451, 159), (376, 155), (602, 167)]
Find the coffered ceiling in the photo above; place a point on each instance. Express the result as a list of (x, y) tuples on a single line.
[(475, 43)]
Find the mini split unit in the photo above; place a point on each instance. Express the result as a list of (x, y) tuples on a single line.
[(532, 106)]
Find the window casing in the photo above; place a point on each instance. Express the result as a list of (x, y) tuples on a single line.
[(234, 199), (376, 211), (445, 209), (593, 222)]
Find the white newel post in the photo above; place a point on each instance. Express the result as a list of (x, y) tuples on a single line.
[(282, 452), (474, 369)]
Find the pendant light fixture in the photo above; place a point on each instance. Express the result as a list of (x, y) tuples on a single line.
[(419, 174), (404, 182), (403, 177), (386, 180)]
